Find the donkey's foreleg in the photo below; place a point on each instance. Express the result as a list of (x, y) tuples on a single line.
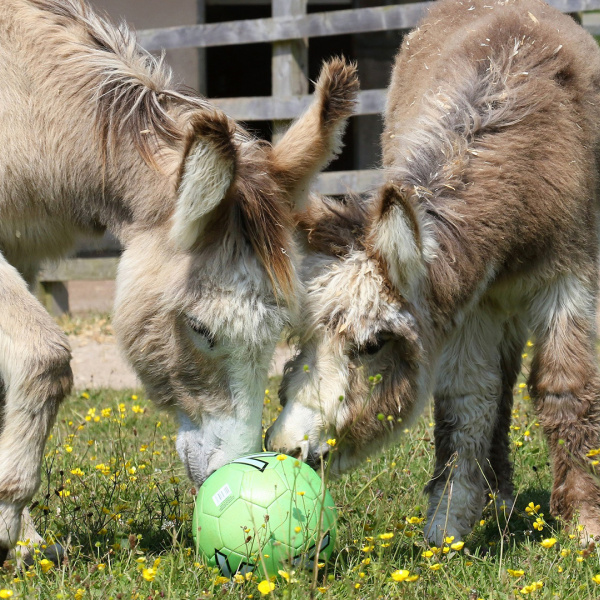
[(498, 468), (34, 363), (467, 392), (565, 387)]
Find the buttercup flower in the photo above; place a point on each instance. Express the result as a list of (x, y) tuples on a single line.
[(46, 565), (266, 587), (516, 572)]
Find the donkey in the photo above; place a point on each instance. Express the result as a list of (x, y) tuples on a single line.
[(96, 138), (485, 230)]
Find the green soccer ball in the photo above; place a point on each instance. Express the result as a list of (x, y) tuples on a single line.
[(266, 512)]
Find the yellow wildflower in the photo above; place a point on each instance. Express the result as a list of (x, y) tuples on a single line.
[(528, 589), (595, 579), (238, 578), (46, 565), (414, 520), (221, 580), (284, 574), (266, 587), (548, 542), (457, 546), (5, 593), (331, 442), (149, 574), (532, 508), (400, 575), (281, 457), (386, 536), (435, 566), (516, 572)]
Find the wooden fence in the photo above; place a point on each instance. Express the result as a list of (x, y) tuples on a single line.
[(289, 31)]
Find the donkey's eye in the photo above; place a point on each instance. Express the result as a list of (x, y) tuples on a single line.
[(374, 346), (201, 329)]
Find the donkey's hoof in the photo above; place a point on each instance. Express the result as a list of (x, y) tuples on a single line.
[(25, 554), (436, 533)]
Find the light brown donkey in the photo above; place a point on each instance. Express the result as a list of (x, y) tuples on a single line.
[(93, 137), (485, 230)]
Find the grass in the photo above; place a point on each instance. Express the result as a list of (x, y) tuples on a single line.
[(115, 493)]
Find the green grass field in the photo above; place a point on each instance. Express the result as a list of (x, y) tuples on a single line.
[(115, 493)]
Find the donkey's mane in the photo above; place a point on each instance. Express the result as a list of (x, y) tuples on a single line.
[(132, 89), (334, 227)]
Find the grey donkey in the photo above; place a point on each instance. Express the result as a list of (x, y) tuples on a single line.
[(94, 137)]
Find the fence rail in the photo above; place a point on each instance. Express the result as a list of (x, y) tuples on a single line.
[(277, 29), (271, 108)]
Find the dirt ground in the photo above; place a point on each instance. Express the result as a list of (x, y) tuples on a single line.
[(98, 363)]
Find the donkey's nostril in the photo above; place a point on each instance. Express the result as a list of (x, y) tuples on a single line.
[(315, 459), (295, 453)]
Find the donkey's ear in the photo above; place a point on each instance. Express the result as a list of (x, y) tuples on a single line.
[(206, 174), (396, 236), (315, 139)]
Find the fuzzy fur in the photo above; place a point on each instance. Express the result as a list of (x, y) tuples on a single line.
[(487, 228)]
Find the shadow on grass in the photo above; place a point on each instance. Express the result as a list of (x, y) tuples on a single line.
[(516, 527)]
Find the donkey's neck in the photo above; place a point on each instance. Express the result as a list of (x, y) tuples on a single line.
[(134, 196)]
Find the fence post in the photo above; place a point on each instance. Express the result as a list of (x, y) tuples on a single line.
[(200, 19), (289, 73)]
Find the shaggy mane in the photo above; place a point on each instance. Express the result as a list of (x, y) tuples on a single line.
[(334, 227), (132, 88)]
